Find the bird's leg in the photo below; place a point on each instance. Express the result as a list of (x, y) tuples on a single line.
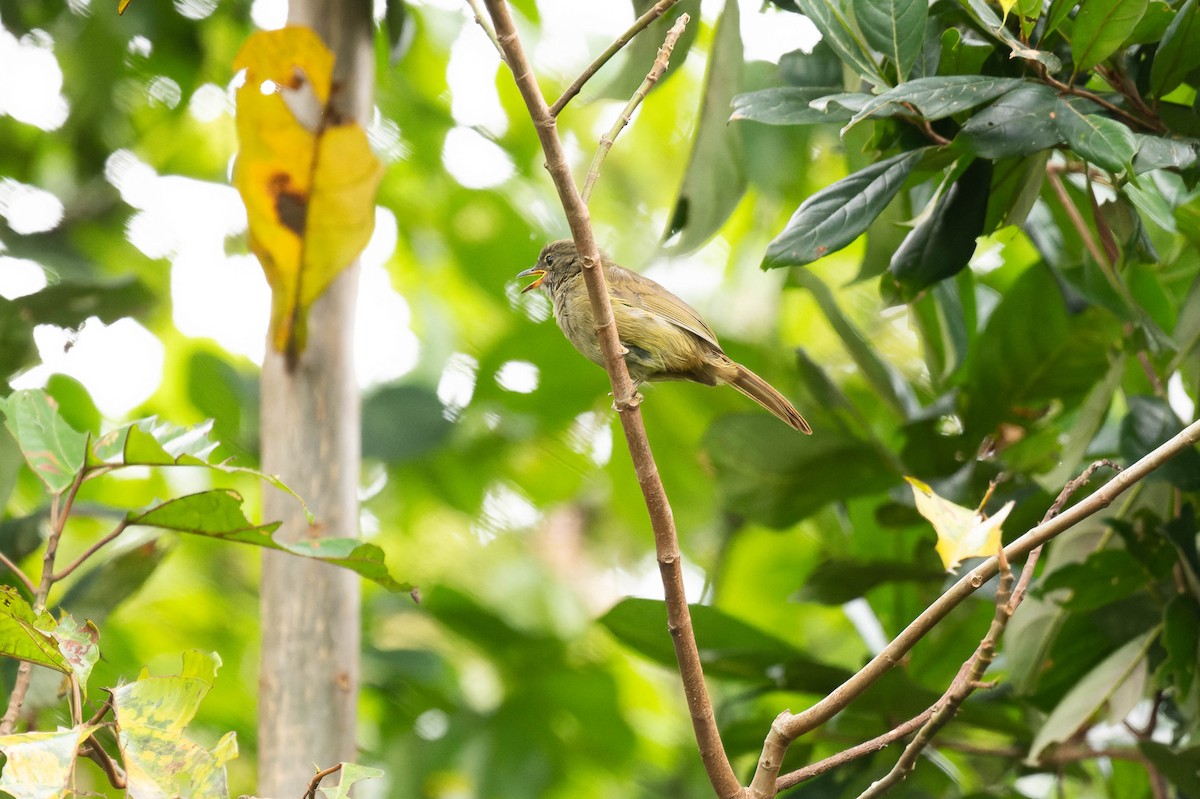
[(632, 402)]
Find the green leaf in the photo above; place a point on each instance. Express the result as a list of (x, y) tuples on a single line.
[(69, 304), (399, 29), (843, 36), (147, 442), (1152, 25), (425, 425), (937, 97), (79, 644), (1178, 766), (1181, 639), (729, 647), (74, 403), (1159, 152), (986, 18), (714, 180), (350, 774), (41, 765), (52, 448), (1091, 693), (1019, 123), (27, 636), (1103, 141), (895, 28), (1149, 423), (1179, 52), (779, 480), (836, 582), (1105, 577), (218, 514), (838, 214), (17, 348), (788, 105), (1100, 28), (641, 52), (151, 717), (943, 244)]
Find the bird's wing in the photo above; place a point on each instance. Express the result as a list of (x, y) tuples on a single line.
[(654, 298)]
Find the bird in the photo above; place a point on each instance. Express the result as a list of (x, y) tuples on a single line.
[(664, 338)]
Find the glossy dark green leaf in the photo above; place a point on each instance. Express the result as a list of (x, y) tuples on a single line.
[(787, 105), (641, 52), (1181, 639), (728, 646), (52, 448), (1059, 10), (937, 97), (819, 68), (942, 245), (838, 214), (1105, 142), (218, 514), (1179, 52), (1153, 24), (1019, 123), (836, 582), (777, 479), (1016, 185), (1149, 423), (1100, 28), (1104, 577), (1177, 765), (837, 28), (400, 423), (714, 180), (895, 28)]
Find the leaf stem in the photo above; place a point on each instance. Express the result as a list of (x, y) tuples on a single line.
[(75, 564), (640, 24), (18, 573)]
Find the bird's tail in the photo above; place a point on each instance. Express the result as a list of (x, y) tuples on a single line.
[(765, 395)]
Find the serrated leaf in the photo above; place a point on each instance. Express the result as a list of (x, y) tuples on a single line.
[(895, 28), (937, 97), (26, 635), (1104, 142), (218, 514), (1019, 123), (714, 180), (52, 448), (1100, 28), (843, 36), (307, 175), (41, 765), (1090, 694), (1178, 52), (838, 214), (961, 532), (787, 105), (151, 716), (350, 774)]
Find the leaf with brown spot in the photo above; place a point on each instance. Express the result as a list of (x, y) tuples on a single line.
[(306, 174)]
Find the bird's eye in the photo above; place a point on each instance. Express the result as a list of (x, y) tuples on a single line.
[(549, 260)]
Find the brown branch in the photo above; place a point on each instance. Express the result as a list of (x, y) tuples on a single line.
[(92, 750), (788, 726), (640, 24), (606, 141), (20, 575), (92, 550), (315, 782), (1066, 88), (1077, 222), (666, 544)]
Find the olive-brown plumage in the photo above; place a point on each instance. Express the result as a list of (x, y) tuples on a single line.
[(664, 337)]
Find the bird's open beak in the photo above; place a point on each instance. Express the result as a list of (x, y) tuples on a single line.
[(530, 272)]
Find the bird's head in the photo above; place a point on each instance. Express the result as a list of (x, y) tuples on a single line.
[(558, 261)]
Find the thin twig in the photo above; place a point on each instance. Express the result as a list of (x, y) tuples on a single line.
[(1066, 88), (791, 726), (640, 24), (1073, 214), (482, 21), (315, 782), (606, 141), (964, 684), (92, 750), (92, 550), (666, 543), (20, 575)]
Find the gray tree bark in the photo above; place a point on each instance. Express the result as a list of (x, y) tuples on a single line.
[(310, 435)]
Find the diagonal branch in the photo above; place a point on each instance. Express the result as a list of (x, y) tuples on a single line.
[(640, 24), (790, 726), (666, 544)]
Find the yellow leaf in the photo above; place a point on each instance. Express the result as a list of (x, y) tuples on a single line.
[(1006, 6), (961, 532), (307, 177)]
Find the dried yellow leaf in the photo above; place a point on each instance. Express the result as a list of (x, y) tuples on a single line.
[(308, 178), (961, 532)]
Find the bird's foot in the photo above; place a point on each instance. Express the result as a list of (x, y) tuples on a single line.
[(629, 404)]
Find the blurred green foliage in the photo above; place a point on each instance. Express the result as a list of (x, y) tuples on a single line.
[(526, 670)]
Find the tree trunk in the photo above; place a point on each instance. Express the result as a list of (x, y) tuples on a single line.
[(308, 679)]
